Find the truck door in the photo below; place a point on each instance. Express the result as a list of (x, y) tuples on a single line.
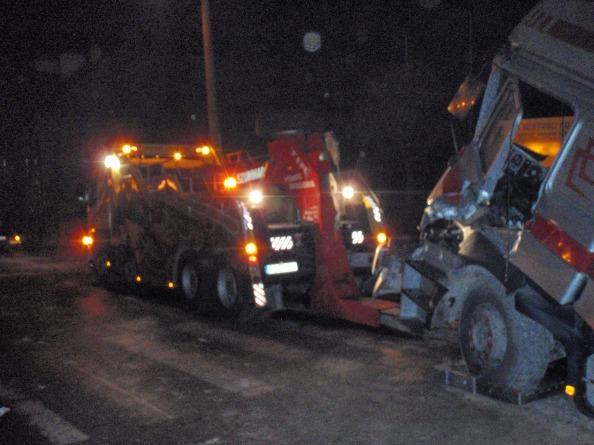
[(556, 249)]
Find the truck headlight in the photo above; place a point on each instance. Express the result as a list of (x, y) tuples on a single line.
[(255, 197)]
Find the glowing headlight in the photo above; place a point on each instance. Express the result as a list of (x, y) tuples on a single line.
[(112, 162), (348, 192), (255, 197)]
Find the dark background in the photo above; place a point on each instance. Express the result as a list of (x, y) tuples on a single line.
[(382, 81)]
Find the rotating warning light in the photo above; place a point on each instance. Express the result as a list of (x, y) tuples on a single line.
[(204, 150)]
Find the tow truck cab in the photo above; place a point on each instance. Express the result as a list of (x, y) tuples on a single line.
[(286, 191), (507, 245)]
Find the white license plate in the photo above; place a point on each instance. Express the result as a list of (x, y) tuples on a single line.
[(280, 268)]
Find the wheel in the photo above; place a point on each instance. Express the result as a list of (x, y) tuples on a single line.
[(499, 344), (189, 284), (227, 289)]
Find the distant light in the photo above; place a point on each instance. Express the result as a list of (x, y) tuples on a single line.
[(17, 238), (170, 284), (108, 264), (348, 192), (138, 279), (230, 183), (381, 238), (204, 150), (112, 162), (312, 41), (256, 197), (177, 156)]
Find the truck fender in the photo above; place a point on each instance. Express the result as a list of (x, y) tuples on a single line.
[(461, 283)]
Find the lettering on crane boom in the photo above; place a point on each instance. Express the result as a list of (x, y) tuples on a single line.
[(251, 175)]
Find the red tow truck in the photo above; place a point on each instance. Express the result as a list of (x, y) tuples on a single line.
[(322, 228)]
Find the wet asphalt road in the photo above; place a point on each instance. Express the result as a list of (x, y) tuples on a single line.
[(84, 365)]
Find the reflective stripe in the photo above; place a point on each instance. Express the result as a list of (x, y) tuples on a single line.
[(259, 294), (561, 244), (281, 242)]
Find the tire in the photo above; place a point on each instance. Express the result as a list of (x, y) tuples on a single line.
[(190, 285), (500, 345), (227, 290)]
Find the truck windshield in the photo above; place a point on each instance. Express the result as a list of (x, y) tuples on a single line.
[(280, 208)]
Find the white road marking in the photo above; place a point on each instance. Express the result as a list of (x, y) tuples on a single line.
[(57, 430), (194, 364)]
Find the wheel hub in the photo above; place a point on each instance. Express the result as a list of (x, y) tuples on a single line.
[(488, 336)]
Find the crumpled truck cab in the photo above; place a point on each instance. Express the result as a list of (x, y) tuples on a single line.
[(507, 240)]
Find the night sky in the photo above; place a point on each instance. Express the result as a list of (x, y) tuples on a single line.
[(381, 81)]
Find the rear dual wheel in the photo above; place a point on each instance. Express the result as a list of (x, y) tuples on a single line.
[(217, 289)]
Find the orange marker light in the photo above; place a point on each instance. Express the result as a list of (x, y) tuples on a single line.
[(381, 238), (251, 248), (126, 149), (204, 150), (570, 390), (138, 279), (230, 183), (177, 156), (253, 259), (108, 264), (170, 284), (86, 240)]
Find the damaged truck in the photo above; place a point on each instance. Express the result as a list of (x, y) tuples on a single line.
[(506, 257)]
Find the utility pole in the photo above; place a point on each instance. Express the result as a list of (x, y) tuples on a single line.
[(209, 69)]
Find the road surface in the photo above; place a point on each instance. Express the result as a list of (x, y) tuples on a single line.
[(84, 365)]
